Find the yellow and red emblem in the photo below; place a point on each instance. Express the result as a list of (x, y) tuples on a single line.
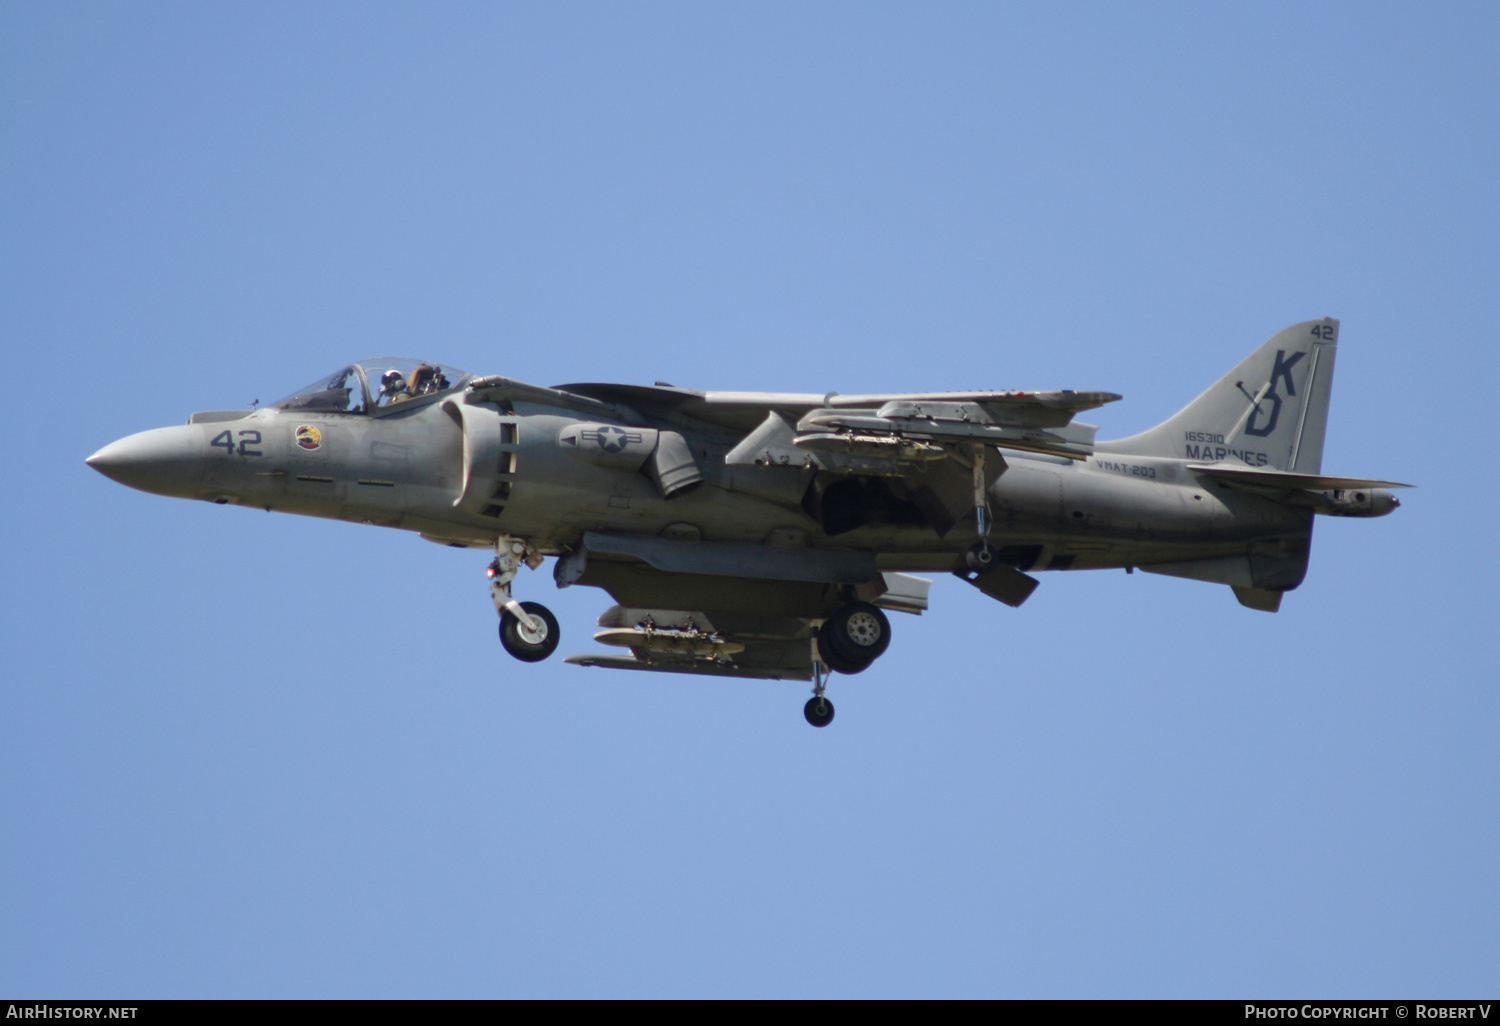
[(309, 437)]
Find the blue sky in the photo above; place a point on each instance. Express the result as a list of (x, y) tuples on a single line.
[(257, 755)]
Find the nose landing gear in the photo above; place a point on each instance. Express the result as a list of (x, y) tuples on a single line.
[(528, 630), (530, 644)]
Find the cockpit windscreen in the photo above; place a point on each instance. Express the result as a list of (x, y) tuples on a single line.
[(373, 385), (341, 392)]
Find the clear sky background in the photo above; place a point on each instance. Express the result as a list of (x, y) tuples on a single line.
[(260, 755)]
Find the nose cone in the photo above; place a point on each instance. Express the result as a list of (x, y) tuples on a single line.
[(166, 461)]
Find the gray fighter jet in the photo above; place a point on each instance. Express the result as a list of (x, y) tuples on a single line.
[(765, 534)]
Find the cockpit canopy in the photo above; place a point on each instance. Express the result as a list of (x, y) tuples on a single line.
[(373, 385)]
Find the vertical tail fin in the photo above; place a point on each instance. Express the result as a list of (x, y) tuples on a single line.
[(1270, 411)]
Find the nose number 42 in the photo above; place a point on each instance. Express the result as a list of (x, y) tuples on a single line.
[(224, 440)]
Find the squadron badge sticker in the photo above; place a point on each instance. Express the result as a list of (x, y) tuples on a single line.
[(309, 437)]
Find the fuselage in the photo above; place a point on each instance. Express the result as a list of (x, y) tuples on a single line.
[(410, 466), (762, 534)]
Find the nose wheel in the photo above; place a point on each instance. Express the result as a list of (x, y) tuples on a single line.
[(528, 630), (530, 643)]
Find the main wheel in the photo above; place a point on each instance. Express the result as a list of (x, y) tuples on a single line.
[(530, 646), (819, 711), (858, 632), (834, 658)]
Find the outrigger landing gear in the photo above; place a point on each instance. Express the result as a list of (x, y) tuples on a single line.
[(528, 630), (981, 558), (818, 710)]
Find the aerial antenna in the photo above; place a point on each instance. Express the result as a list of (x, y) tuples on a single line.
[(254, 403)]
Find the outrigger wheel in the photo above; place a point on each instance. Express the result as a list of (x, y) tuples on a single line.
[(819, 711), (854, 637), (981, 558), (530, 646)]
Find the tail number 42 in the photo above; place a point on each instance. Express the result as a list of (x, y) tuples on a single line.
[(224, 440)]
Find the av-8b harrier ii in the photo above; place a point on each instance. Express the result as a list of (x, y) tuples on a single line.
[(766, 534)]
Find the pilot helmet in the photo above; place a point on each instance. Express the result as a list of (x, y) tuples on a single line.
[(391, 381)]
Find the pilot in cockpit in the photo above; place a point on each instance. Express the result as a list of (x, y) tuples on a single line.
[(424, 379), (392, 387)]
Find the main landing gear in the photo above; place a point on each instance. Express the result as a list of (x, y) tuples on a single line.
[(847, 642), (854, 637), (528, 630)]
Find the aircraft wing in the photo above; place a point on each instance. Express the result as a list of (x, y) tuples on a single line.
[(882, 433), (1018, 402), (747, 409)]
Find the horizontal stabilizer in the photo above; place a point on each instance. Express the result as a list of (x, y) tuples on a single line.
[(1254, 477)]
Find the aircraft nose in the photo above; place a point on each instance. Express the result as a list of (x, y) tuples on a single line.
[(166, 461)]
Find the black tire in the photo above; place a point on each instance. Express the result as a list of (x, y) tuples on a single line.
[(516, 642), (818, 711), (981, 558), (834, 658), (859, 632)]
